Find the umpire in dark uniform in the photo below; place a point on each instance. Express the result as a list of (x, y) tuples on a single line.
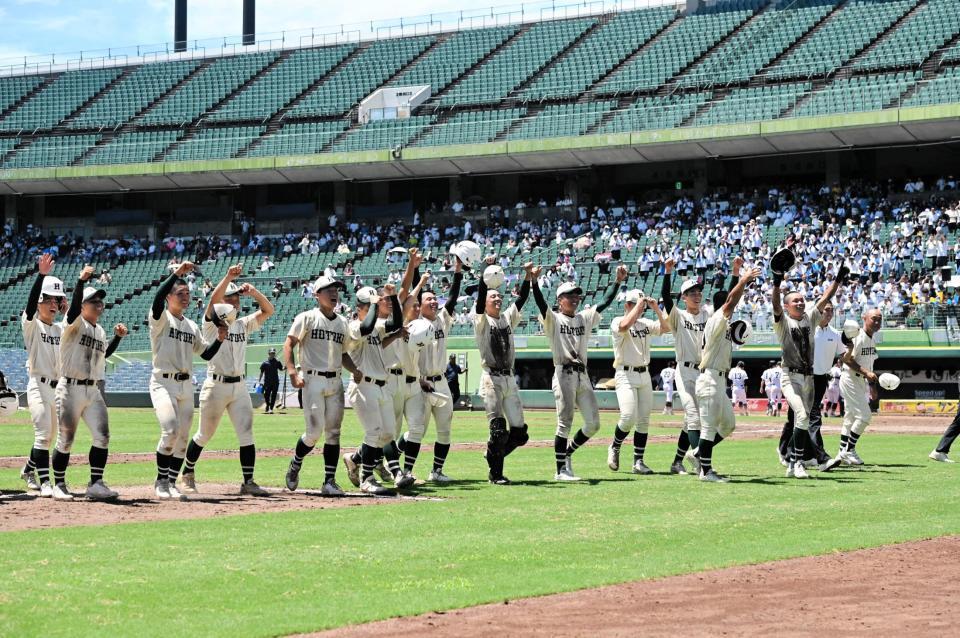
[(452, 374), (270, 374)]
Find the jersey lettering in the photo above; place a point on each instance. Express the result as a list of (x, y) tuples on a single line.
[(89, 342), (577, 331), (326, 335), (180, 335), (51, 339)]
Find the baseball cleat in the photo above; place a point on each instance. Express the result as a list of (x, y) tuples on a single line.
[(98, 491), (799, 471), (830, 464), (46, 490), (381, 470), (30, 478), (61, 492), (174, 492), (940, 457), (783, 459), (713, 477), (502, 480), (292, 479), (371, 486), (250, 488), (330, 488), (811, 464), (405, 480), (613, 458), (790, 470), (188, 483), (161, 488), (565, 477), (853, 458), (568, 466), (353, 470), (691, 455), (437, 476), (641, 468), (677, 468)]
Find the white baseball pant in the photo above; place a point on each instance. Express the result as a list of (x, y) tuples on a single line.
[(173, 402), (217, 397), (374, 407), (686, 381), (716, 409), (75, 402), (42, 401), (572, 390), (402, 394), (857, 416), (668, 393), (832, 395), (419, 409), (635, 398), (798, 391), (739, 395), (322, 409), (501, 398)]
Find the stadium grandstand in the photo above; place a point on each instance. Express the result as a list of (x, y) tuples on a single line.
[(696, 131)]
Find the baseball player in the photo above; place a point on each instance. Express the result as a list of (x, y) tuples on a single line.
[(493, 329), (738, 382), (667, 377), (631, 362), (174, 339), (83, 353), (568, 332), (941, 453), (320, 337), (716, 410), (434, 397), (41, 337), (224, 389), (373, 403), (771, 386), (794, 325), (270, 377), (858, 363), (831, 398)]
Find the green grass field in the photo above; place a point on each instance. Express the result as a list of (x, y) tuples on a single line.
[(278, 573)]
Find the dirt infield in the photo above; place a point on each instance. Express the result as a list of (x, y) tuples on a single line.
[(897, 590), (138, 504)]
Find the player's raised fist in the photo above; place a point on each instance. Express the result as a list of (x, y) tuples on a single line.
[(737, 265), (415, 258), (45, 264), (752, 275), (183, 268), (669, 264), (389, 290), (622, 272), (234, 271), (86, 273), (120, 330)]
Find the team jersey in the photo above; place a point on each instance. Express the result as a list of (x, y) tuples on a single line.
[(231, 358), (667, 375), (796, 338), (320, 340), (738, 378), (834, 375), (771, 377), (42, 342), (688, 333), (495, 338), (569, 337), (391, 353), (367, 351), (864, 353), (173, 342), (717, 344), (433, 356), (83, 348), (632, 348)]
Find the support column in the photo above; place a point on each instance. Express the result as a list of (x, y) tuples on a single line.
[(832, 168), (340, 200)]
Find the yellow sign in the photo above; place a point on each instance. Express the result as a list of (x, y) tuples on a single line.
[(919, 408)]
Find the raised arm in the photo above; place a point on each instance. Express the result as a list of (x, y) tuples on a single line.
[(612, 289), (665, 287), (77, 300), (842, 273), (409, 274), (662, 318), (734, 297), (395, 322), (214, 346), (369, 322), (538, 298), (631, 317), (531, 275), (218, 293), (266, 306), (451, 304), (160, 298), (119, 332)]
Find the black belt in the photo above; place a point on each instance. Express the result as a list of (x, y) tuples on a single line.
[(722, 373), (688, 364), (636, 369), (410, 379), (79, 381), (501, 372), (220, 377), (434, 379), (50, 382), (396, 371), (805, 371), (176, 376), (320, 373), (379, 382), (574, 367)]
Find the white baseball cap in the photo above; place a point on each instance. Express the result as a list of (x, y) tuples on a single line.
[(225, 312), (568, 287), (52, 287), (368, 295), (232, 289), (90, 293), (633, 296), (689, 284), (326, 282)]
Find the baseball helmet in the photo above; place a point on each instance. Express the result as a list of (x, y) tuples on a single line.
[(782, 261), (421, 332), (888, 381), (9, 403), (226, 313), (493, 276), (468, 252), (740, 331)]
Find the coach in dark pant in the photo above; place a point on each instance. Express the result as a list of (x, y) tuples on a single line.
[(943, 448)]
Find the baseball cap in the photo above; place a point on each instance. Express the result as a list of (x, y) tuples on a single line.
[(633, 296), (568, 287), (225, 312), (52, 287), (689, 285), (368, 295), (272, 351), (326, 282), (232, 289), (90, 293)]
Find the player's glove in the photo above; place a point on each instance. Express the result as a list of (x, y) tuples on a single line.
[(843, 273)]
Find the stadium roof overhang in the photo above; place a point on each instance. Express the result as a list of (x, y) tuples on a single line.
[(887, 128)]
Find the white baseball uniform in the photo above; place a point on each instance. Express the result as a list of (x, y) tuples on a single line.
[(738, 381), (715, 407), (772, 385), (173, 342), (403, 379), (569, 339), (631, 361), (224, 389), (82, 365), (321, 341), (832, 395), (370, 398), (498, 387), (854, 387), (688, 336), (667, 376), (42, 342), (796, 342), (433, 364)]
